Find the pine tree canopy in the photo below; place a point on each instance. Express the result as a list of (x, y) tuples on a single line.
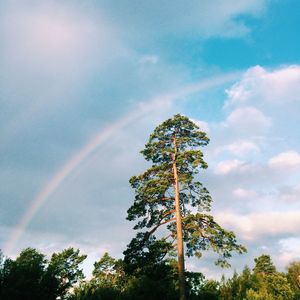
[(178, 141)]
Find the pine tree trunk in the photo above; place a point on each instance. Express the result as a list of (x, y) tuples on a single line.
[(180, 249)]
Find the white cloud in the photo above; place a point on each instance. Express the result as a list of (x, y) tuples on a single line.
[(285, 160), (248, 117), (202, 125), (258, 84), (256, 225), (290, 250), (230, 166), (244, 193), (240, 148)]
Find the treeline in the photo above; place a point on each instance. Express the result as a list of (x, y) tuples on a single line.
[(146, 275)]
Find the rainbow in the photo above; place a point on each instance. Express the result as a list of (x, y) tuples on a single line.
[(143, 109)]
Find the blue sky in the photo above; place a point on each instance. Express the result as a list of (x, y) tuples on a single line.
[(74, 70)]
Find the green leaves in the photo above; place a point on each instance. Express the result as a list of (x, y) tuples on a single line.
[(188, 135), (178, 140), (108, 271), (32, 276), (264, 265), (65, 266), (154, 188), (201, 233)]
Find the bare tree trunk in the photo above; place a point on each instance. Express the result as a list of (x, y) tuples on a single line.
[(180, 249)]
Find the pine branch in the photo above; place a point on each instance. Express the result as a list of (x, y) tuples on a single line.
[(160, 224)]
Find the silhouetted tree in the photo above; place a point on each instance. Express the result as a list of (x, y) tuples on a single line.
[(32, 277), (23, 276), (63, 272)]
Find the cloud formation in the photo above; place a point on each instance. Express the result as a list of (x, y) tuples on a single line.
[(247, 118), (285, 160), (258, 225), (279, 86), (240, 147), (229, 166), (244, 193)]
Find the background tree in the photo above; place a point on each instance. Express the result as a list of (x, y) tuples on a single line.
[(264, 265), (32, 276), (108, 271), (63, 272), (169, 194), (267, 283), (22, 277), (293, 275), (237, 287), (2, 260), (151, 275), (136, 279)]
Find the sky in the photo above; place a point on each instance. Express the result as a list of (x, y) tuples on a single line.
[(84, 83)]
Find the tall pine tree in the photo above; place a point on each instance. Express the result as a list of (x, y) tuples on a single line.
[(169, 194)]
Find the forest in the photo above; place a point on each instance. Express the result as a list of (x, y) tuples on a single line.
[(32, 276), (171, 211)]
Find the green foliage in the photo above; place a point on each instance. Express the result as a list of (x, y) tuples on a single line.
[(268, 283), (146, 264), (237, 286), (2, 260), (210, 290), (264, 265), (147, 287), (203, 233), (93, 291), (262, 294), (293, 276), (153, 206), (108, 271), (195, 283), (264, 283), (31, 276), (271, 287), (131, 279), (148, 275), (22, 277), (63, 271), (145, 253), (200, 288)]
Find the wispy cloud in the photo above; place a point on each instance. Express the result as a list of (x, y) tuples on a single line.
[(285, 160), (259, 225), (244, 193), (229, 166)]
